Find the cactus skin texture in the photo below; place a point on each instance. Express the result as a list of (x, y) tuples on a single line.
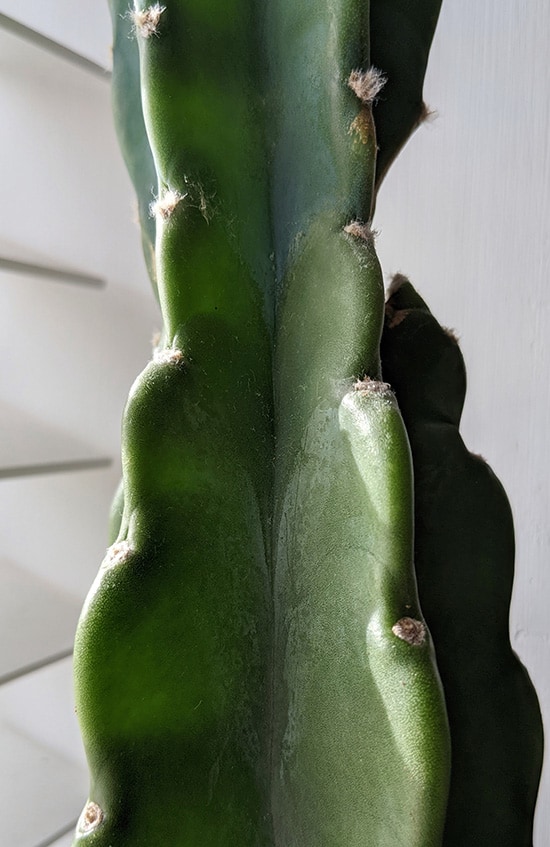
[(464, 556), (252, 666)]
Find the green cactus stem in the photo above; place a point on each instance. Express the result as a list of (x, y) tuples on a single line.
[(172, 653), (464, 554), (359, 720), (252, 667)]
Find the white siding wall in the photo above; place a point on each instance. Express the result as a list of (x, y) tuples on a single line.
[(464, 213)]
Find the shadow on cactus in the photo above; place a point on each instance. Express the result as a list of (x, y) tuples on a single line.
[(464, 561), (252, 664)]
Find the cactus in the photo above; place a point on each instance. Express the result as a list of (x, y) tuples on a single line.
[(252, 665)]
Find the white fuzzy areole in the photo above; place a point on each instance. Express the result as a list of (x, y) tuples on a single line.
[(168, 356), (360, 230), (117, 554), (367, 85), (90, 819), (165, 205), (372, 385), (146, 22), (410, 630)]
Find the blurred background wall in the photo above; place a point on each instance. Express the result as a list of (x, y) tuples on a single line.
[(464, 212)]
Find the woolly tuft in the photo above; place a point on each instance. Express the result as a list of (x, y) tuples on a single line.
[(367, 85), (360, 230), (146, 22), (168, 356), (165, 205)]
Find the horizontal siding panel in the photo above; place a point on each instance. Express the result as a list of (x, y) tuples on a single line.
[(65, 841), (56, 526), (43, 780), (65, 364), (69, 352), (40, 706), (46, 271), (40, 791), (70, 200), (83, 28), (38, 621), (27, 442)]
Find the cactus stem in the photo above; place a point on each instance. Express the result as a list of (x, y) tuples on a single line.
[(366, 84), (410, 630), (361, 230), (117, 554), (168, 356), (165, 205), (90, 818), (146, 22)]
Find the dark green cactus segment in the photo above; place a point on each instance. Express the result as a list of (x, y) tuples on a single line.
[(171, 655), (330, 320), (202, 85), (323, 141), (464, 563), (202, 82), (173, 649), (425, 348), (342, 516), (130, 127), (330, 296), (401, 36)]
